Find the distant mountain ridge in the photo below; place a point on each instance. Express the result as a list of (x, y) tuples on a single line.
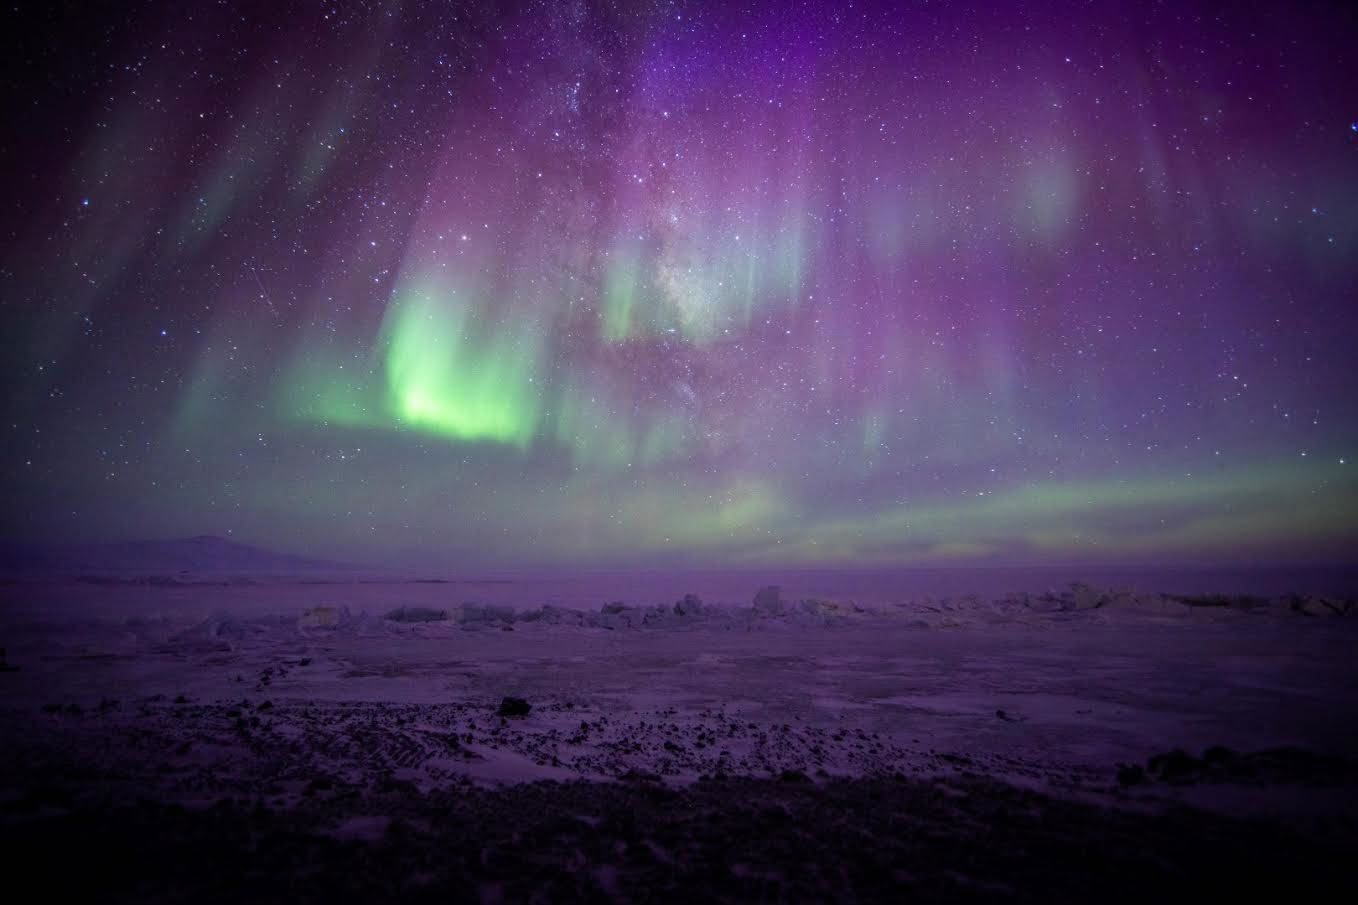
[(204, 553)]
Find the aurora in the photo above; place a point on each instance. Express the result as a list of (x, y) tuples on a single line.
[(688, 285)]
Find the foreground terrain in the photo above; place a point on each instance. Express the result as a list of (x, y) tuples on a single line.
[(178, 742)]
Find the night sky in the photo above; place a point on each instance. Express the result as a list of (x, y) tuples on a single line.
[(677, 284)]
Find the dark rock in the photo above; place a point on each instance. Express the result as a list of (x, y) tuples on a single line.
[(554, 615), (1174, 765), (691, 605), (1218, 755), (769, 599), (1131, 775), (478, 614), (1219, 601), (823, 610), (1084, 597), (416, 614), (514, 707), (1322, 606)]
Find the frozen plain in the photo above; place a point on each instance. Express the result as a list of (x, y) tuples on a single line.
[(346, 710)]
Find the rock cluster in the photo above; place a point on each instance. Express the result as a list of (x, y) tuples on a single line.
[(768, 601), (324, 617), (691, 605), (417, 614), (770, 609)]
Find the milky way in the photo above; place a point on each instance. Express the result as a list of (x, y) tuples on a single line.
[(579, 284)]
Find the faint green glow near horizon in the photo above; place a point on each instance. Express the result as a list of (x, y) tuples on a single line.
[(1257, 508)]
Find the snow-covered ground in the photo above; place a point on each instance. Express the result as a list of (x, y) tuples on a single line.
[(286, 693), (1063, 684)]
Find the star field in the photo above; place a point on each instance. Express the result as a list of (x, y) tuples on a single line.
[(646, 284)]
